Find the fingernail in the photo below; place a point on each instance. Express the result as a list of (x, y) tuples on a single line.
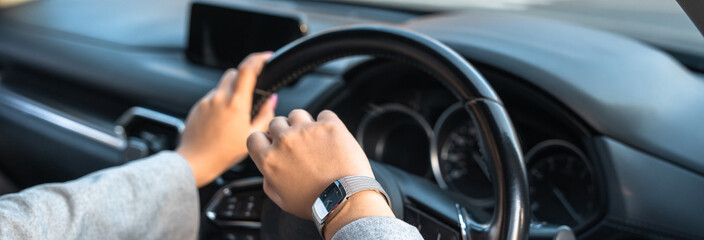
[(268, 53), (274, 100)]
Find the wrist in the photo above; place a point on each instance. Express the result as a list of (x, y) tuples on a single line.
[(363, 204), (196, 168), (207, 167)]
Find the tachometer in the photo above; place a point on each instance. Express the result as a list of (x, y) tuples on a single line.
[(457, 157), (563, 189)]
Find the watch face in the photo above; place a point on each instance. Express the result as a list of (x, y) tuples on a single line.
[(332, 196)]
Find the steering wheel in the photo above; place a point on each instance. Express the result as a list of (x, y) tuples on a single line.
[(510, 219)]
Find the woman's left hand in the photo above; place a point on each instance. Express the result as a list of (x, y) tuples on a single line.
[(218, 125)]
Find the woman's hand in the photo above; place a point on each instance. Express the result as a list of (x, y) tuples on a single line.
[(300, 157), (218, 125)]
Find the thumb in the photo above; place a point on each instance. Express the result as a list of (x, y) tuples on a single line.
[(265, 115)]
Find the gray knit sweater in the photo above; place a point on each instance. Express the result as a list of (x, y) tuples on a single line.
[(153, 198)]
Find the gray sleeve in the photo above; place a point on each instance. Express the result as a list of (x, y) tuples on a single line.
[(377, 228), (152, 198)]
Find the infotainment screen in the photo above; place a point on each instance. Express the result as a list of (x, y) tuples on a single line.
[(222, 35)]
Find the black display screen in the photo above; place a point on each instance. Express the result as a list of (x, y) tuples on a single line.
[(332, 195), (221, 36)]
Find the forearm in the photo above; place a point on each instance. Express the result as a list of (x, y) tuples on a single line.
[(360, 205), (139, 200), (367, 216), (378, 228)]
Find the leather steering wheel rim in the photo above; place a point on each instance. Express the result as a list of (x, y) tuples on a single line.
[(506, 166)]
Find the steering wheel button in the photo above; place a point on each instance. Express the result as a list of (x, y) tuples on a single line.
[(228, 214)]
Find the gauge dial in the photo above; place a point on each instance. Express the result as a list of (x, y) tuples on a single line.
[(562, 184), (458, 160), (397, 135)]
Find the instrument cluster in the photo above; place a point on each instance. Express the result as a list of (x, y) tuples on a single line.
[(402, 117), (450, 150)]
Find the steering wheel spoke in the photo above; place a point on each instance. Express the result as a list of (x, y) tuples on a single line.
[(469, 228), (238, 204)]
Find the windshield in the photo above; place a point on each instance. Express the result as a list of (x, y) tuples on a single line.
[(661, 23)]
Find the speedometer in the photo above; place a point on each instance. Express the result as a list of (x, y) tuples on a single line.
[(457, 157)]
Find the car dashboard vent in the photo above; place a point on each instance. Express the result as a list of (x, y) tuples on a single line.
[(147, 132)]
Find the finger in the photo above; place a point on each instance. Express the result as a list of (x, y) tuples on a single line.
[(277, 127), (226, 81), (257, 144), (249, 70), (299, 117), (328, 116), (209, 96), (265, 115)]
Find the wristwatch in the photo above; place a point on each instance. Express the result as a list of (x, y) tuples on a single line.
[(336, 195)]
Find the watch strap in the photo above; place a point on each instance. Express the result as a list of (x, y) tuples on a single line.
[(355, 184)]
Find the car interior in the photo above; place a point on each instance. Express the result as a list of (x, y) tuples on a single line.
[(572, 119)]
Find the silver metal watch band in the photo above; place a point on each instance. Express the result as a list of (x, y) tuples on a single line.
[(350, 185), (354, 184)]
